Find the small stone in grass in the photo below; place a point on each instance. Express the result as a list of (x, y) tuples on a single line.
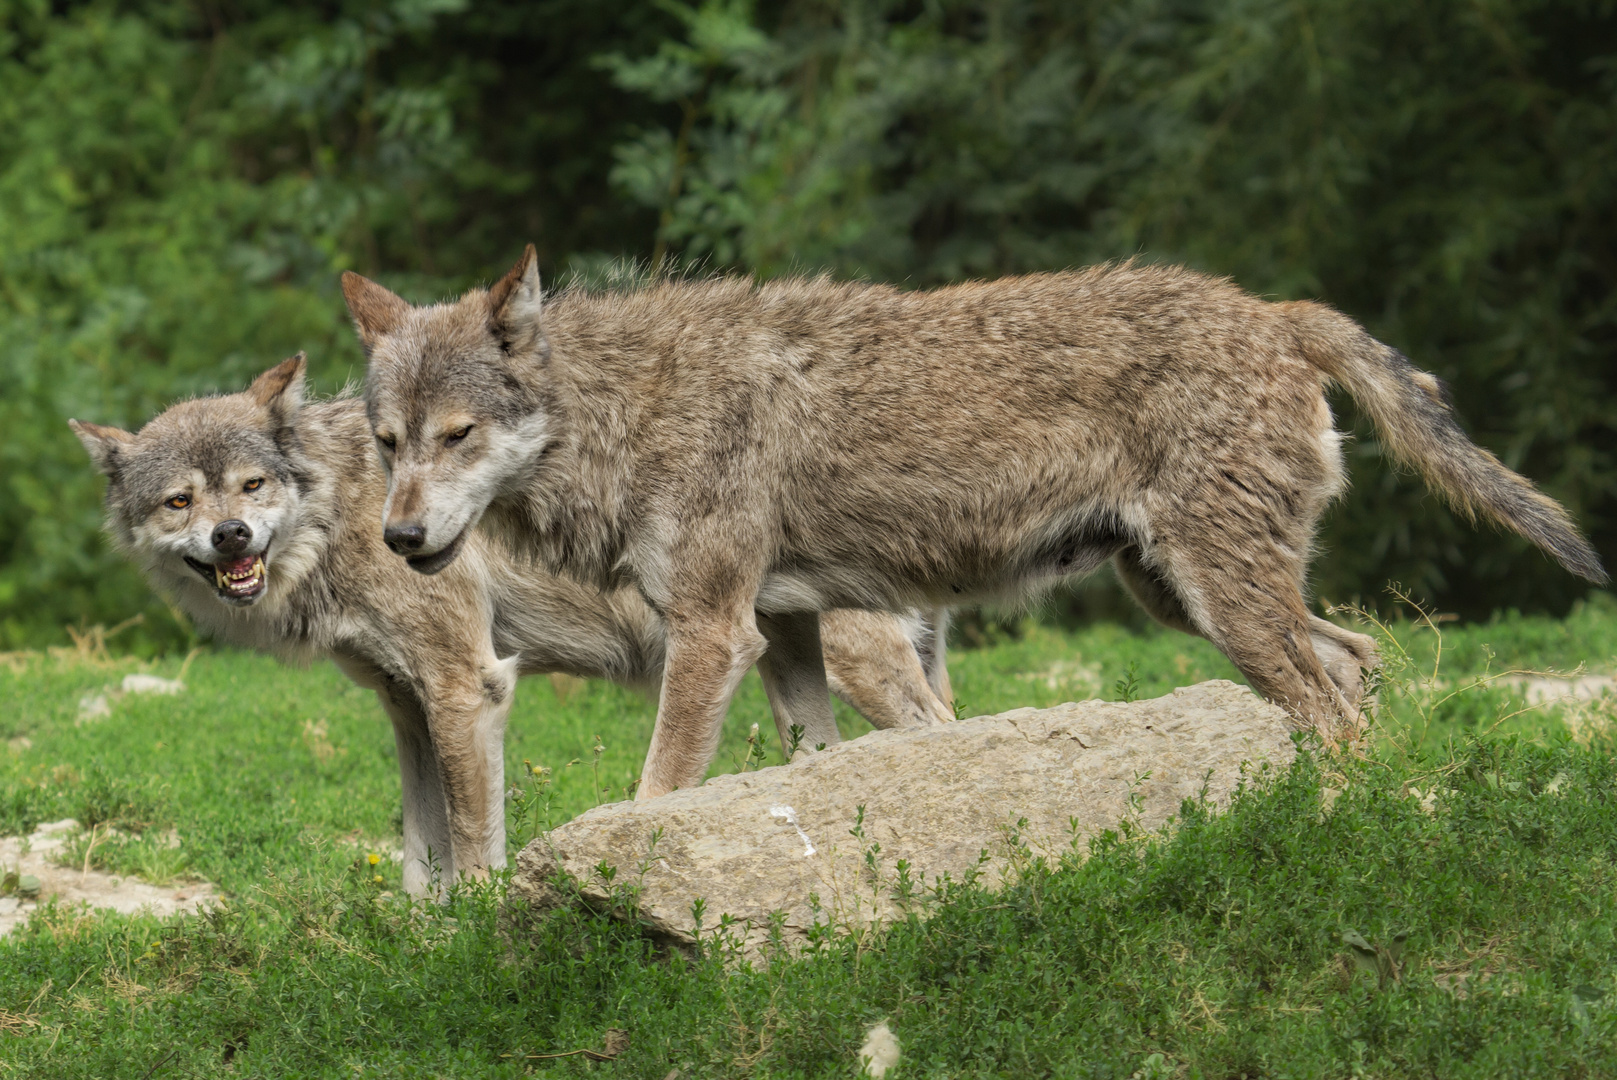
[(93, 708), (151, 684), (880, 1051)]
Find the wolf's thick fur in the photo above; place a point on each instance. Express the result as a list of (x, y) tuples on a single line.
[(430, 647), (806, 444)]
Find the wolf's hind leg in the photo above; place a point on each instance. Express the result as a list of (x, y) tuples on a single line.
[(707, 656), (935, 655), (1152, 591), (874, 664), (793, 672), (1240, 591), (1345, 655)]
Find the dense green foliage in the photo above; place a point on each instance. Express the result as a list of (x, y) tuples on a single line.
[(1225, 950), (181, 181)]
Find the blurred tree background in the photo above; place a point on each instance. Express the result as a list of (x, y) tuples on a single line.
[(182, 180)]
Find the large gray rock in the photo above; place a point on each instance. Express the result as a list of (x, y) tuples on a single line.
[(945, 800)]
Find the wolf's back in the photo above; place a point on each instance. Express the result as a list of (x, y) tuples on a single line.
[(1415, 422)]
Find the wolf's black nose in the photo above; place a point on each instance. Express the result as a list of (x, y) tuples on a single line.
[(404, 539), (231, 537)]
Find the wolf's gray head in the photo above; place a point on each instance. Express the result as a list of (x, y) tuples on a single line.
[(454, 394), (205, 496)]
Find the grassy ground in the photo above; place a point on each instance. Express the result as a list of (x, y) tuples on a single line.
[(1469, 934)]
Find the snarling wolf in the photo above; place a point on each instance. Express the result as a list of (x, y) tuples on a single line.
[(800, 445), (258, 514)]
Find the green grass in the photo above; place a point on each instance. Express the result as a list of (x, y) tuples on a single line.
[(1224, 950)]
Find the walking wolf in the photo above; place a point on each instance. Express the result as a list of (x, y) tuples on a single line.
[(800, 445)]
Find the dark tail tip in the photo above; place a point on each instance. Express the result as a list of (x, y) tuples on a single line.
[(1588, 567), (1580, 560), (1552, 530)]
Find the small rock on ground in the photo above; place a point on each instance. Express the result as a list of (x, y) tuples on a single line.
[(67, 885), (1548, 690), (151, 684)]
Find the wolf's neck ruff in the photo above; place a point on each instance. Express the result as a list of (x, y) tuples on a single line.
[(570, 508)]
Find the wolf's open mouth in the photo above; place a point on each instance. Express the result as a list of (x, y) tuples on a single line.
[(239, 579), (431, 564)]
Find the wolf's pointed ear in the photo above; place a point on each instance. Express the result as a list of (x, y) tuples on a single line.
[(103, 443), (377, 312), (280, 389), (515, 304)]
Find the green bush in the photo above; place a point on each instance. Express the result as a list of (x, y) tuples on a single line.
[(180, 184)]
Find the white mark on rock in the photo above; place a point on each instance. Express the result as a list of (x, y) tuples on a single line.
[(790, 817)]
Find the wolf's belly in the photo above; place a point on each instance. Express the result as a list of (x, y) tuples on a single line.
[(940, 570)]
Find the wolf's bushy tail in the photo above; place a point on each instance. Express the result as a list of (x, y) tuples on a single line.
[(1415, 422)]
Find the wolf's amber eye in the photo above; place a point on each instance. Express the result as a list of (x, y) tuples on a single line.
[(387, 441), (178, 502), (456, 436), (254, 484)]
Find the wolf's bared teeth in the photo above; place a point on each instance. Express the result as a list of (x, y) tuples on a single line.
[(245, 582)]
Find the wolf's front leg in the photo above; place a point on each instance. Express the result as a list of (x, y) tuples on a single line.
[(466, 711), (429, 858), (793, 671), (707, 656), (429, 854)]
